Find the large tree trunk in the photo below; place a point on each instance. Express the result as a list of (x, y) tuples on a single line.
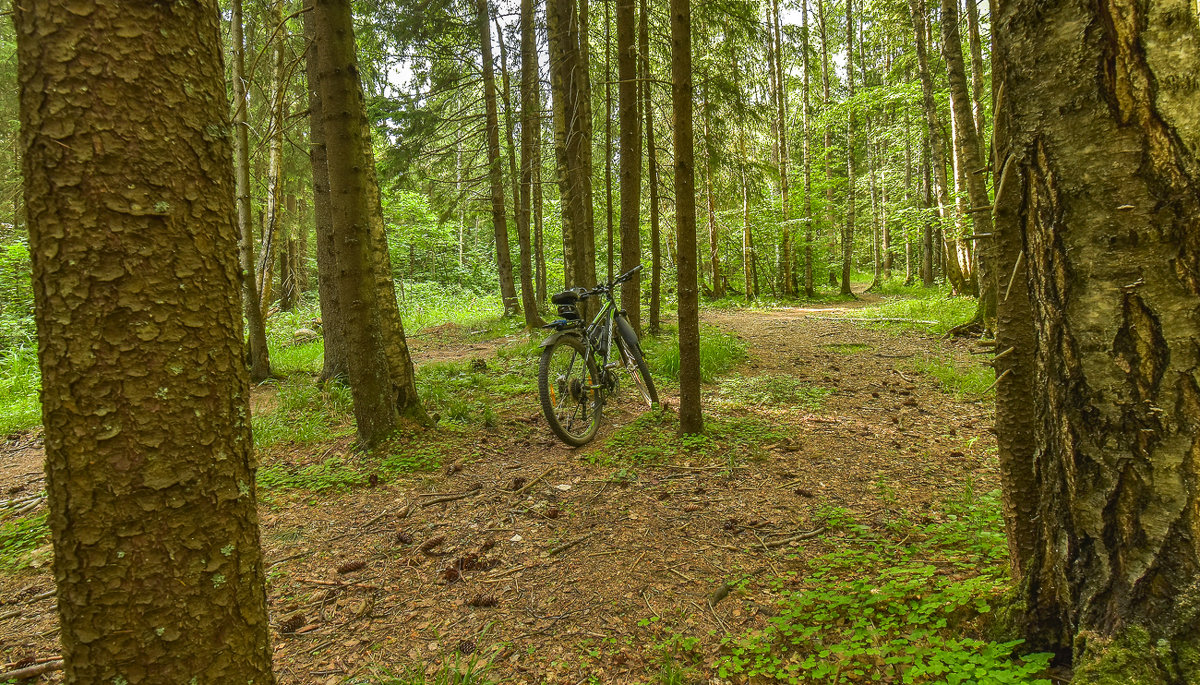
[(848, 230), (691, 419), (335, 364), (573, 138), (651, 172), (1101, 149), (375, 402), (260, 362), (631, 159), (149, 456), (508, 289)]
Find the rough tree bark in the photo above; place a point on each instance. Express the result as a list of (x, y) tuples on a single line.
[(508, 289), (1101, 150), (260, 361), (691, 419), (826, 102), (335, 364), (274, 232), (149, 462), (787, 279), (809, 291)]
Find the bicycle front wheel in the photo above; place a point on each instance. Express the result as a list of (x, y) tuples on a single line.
[(569, 386)]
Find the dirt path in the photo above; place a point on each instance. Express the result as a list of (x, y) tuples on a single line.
[(559, 564)]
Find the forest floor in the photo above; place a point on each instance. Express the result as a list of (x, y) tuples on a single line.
[(639, 558)]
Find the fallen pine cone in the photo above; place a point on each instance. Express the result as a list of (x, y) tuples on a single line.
[(433, 543), (352, 566), (689, 508), (482, 601), (292, 623), (404, 538)]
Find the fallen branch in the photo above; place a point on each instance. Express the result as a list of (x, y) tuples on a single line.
[(32, 671), (564, 547), (334, 583), (530, 484), (796, 538), (450, 498)]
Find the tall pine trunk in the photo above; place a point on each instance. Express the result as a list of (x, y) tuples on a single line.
[(530, 122), (808, 218), (691, 419), (848, 230), (508, 289), (150, 464), (631, 159), (651, 172), (787, 278)]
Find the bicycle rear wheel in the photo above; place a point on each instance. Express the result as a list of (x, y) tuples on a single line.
[(569, 387)]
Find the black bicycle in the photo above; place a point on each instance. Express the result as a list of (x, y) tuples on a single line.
[(577, 372)]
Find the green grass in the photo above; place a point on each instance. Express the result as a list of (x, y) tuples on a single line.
[(430, 304), (19, 537), (471, 670), (20, 381), (906, 605), (653, 438), (719, 352), (772, 390), (959, 379), (303, 413), (847, 348), (935, 314), (471, 391)]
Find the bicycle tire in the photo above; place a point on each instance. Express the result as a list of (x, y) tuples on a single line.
[(639, 371), (557, 394)]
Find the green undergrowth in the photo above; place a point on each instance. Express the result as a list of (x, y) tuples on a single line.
[(20, 408), (961, 379), (846, 348), (303, 413), (653, 438), (935, 313), (472, 670), (771, 390), (430, 304), (908, 604), (768, 301), (19, 537), (719, 352), (473, 391)]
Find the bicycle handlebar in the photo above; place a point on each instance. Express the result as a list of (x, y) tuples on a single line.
[(605, 288)]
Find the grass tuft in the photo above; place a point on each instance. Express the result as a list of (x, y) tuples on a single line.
[(772, 390), (958, 379), (719, 352), (20, 382), (944, 313)]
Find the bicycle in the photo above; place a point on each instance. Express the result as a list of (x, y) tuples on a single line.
[(576, 374)]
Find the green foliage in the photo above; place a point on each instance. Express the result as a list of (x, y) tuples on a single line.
[(303, 413), (897, 608), (956, 378), (943, 312), (20, 536), (772, 390), (20, 382), (653, 438), (16, 296), (425, 304), (469, 392), (847, 348), (472, 671), (719, 352), (333, 473)]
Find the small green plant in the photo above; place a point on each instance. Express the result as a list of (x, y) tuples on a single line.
[(304, 413), (19, 537), (719, 352), (333, 473), (20, 382), (772, 390), (847, 348), (956, 378), (886, 608), (470, 671), (934, 313)]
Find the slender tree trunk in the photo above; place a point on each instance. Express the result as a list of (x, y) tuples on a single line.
[(968, 146), (826, 103), (301, 269), (608, 137), (508, 289), (927, 241), (691, 420), (809, 291), (714, 233), (940, 181), (539, 247), (652, 173), (523, 187), (787, 277), (150, 463), (977, 75), (335, 364), (274, 232), (287, 252), (1102, 152), (848, 231), (748, 274), (631, 160), (260, 363)]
